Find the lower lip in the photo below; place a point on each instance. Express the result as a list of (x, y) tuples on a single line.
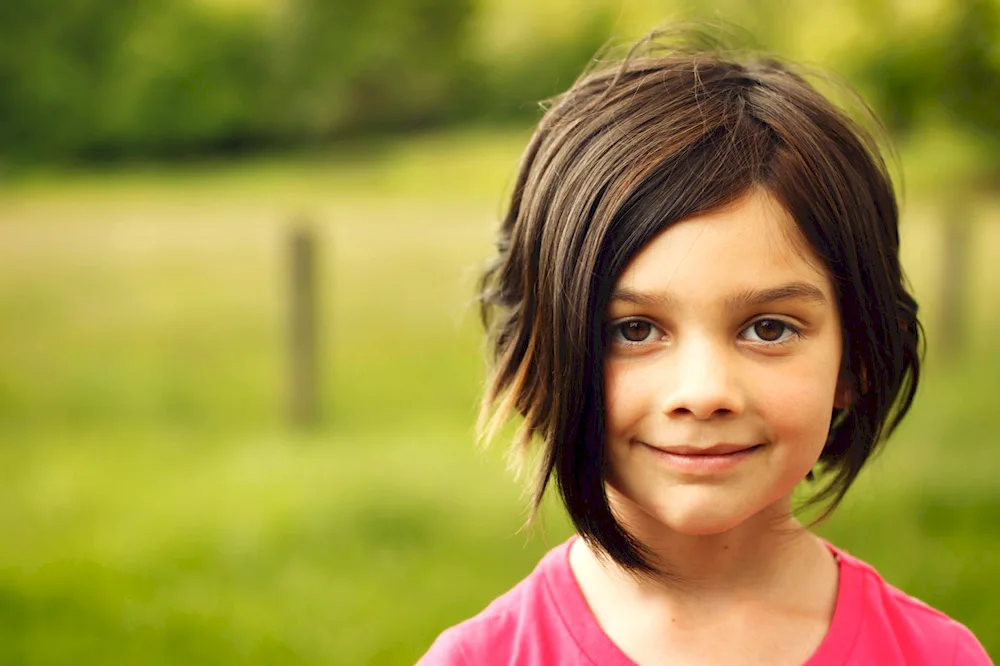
[(704, 464)]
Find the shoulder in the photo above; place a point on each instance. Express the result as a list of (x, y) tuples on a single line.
[(519, 617), (484, 634), (904, 629)]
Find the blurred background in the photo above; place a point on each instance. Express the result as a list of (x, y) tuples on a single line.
[(239, 358)]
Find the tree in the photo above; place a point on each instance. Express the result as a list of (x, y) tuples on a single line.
[(950, 76)]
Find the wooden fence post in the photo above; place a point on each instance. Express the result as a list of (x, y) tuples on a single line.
[(302, 323)]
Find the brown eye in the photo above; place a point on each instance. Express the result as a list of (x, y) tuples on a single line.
[(635, 330), (769, 330)]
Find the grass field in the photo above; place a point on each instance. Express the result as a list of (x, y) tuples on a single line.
[(156, 509)]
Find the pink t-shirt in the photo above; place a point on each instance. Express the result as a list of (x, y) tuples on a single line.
[(545, 621)]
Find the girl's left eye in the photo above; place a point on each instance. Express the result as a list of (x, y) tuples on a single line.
[(769, 331)]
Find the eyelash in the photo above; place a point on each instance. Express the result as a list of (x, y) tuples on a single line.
[(615, 329)]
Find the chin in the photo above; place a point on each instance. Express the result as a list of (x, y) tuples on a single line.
[(700, 522), (704, 516)]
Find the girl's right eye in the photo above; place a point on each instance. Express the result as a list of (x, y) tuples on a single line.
[(633, 331)]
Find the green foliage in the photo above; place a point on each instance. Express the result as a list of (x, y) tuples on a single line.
[(55, 56), (381, 63), (118, 79), (944, 71), (105, 78), (187, 81), (516, 85), (111, 79), (969, 94)]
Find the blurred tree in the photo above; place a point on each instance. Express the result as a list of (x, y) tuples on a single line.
[(519, 78), (107, 78), (188, 80), (949, 76), (116, 79), (948, 71), (342, 65), (54, 56)]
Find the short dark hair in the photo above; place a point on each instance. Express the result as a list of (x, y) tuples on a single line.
[(632, 148)]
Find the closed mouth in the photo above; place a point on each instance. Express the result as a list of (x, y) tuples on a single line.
[(716, 450)]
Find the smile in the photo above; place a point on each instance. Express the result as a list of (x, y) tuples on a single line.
[(711, 460)]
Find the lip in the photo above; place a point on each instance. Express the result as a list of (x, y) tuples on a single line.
[(714, 450), (716, 459)]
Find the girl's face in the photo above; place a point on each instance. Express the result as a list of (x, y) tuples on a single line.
[(723, 355)]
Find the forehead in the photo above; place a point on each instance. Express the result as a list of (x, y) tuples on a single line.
[(753, 243)]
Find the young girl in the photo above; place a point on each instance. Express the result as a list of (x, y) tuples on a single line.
[(698, 306)]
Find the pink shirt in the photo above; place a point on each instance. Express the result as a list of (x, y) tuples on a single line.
[(545, 620)]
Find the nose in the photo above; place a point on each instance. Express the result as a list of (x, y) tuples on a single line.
[(704, 382)]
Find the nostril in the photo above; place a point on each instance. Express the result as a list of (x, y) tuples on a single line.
[(702, 413)]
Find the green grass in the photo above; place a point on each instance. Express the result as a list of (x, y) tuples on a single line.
[(295, 550), (156, 510)]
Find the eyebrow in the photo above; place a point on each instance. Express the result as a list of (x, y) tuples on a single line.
[(747, 298)]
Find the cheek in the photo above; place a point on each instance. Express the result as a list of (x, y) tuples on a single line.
[(800, 410), (626, 396)]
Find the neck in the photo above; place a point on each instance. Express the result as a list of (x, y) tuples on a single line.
[(762, 556)]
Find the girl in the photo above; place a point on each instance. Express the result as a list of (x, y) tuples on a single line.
[(698, 305)]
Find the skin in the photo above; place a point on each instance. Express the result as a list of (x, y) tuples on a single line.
[(724, 329)]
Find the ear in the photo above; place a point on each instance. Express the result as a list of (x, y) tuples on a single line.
[(844, 396)]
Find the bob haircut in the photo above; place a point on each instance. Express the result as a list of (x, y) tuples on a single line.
[(630, 149)]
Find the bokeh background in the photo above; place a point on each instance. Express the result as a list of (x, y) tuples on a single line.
[(165, 497)]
